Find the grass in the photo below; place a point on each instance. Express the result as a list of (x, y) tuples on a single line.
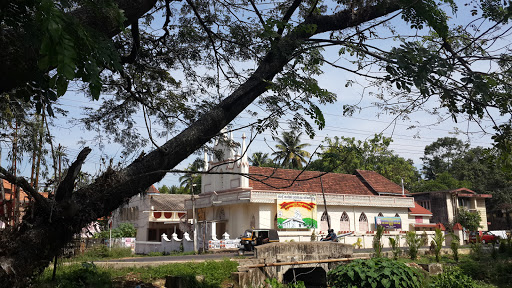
[(487, 269), (89, 275)]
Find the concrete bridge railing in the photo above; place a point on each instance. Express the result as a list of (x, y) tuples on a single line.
[(276, 260)]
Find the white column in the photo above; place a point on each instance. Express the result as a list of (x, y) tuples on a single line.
[(214, 231)]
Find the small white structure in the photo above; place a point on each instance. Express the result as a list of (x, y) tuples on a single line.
[(154, 214)]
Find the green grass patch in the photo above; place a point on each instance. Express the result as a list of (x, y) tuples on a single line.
[(101, 252), (89, 275)]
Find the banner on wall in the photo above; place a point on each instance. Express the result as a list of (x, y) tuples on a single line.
[(389, 222), (296, 211)]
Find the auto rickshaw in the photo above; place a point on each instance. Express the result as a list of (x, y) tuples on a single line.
[(255, 237)]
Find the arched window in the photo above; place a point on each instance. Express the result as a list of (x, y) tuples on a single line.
[(363, 222), (344, 222), (396, 215), (324, 221), (380, 214)]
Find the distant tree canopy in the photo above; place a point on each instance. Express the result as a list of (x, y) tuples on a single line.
[(449, 164), (261, 159), (439, 156), (345, 155)]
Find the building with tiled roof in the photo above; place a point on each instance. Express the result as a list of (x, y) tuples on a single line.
[(445, 204), (12, 203), (153, 214), (237, 196)]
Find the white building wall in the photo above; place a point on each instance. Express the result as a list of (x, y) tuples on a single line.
[(265, 216), (449, 207), (480, 207), (141, 220), (354, 212)]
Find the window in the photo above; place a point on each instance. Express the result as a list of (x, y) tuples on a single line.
[(363, 222), (419, 219), (463, 203), (344, 222), (425, 204)]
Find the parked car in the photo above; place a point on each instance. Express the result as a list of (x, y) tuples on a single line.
[(255, 237), (483, 236)]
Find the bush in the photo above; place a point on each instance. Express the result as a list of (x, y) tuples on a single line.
[(78, 275), (395, 246), (454, 245), (377, 245), (476, 249), (453, 277), (438, 243), (102, 252), (375, 273), (414, 243)]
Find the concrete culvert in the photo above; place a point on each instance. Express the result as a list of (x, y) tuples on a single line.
[(313, 277)]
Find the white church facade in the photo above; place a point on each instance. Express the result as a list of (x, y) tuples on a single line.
[(236, 196)]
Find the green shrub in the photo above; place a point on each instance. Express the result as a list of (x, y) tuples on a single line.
[(438, 243), (103, 252), (395, 246), (413, 242), (476, 249), (377, 239), (375, 273), (503, 246), (454, 245), (77, 275), (452, 277)]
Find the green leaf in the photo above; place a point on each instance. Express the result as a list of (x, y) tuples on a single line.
[(49, 110), (62, 86)]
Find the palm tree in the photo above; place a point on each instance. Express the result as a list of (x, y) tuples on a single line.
[(260, 159), (289, 151), (192, 178)]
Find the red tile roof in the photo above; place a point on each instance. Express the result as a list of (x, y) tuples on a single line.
[(152, 190), (457, 226), (273, 179), (418, 210), (379, 183), (461, 192)]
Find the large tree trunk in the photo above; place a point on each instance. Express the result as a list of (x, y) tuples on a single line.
[(29, 248)]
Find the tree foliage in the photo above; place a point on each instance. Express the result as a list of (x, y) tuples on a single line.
[(124, 230), (469, 220), (345, 155), (439, 156), (290, 151), (260, 159)]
